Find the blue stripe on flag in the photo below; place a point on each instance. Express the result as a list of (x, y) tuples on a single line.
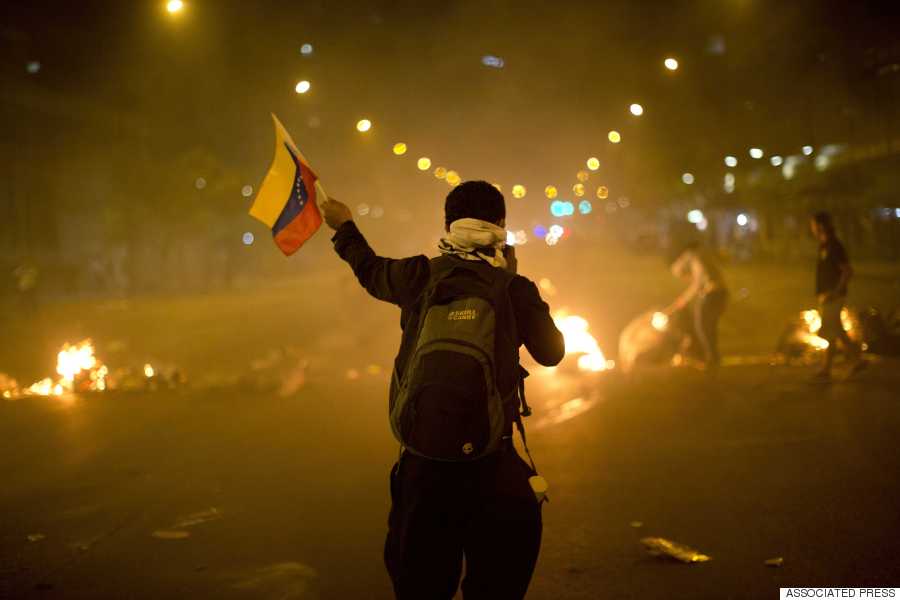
[(295, 204)]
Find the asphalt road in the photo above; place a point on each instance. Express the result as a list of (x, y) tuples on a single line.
[(235, 493)]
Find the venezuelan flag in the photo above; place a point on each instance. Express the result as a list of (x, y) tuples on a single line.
[(286, 201)]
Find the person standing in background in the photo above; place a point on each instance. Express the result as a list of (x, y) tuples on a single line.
[(833, 273)]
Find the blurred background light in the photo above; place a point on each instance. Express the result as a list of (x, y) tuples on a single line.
[(756, 153), (551, 192), (363, 125), (807, 150), (636, 109), (200, 183), (540, 231), (585, 207), (377, 212), (424, 163), (556, 230), (362, 209), (728, 183), (614, 137), (593, 163), (399, 148), (519, 191), (306, 49), (776, 161), (688, 178), (578, 189), (33, 67), (440, 172), (247, 238), (582, 175), (671, 64), (731, 161), (602, 192), (695, 216), (174, 6), (247, 191), (557, 208), (492, 61), (742, 220), (453, 178), (302, 87)]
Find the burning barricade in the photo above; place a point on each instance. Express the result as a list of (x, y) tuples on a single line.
[(79, 370), (653, 338), (800, 342), (580, 343)]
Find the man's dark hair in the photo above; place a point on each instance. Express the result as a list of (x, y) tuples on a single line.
[(474, 200), (823, 220)]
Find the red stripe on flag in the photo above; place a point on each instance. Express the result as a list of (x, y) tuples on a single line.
[(298, 231)]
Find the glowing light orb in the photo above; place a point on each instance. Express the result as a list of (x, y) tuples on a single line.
[(695, 216), (585, 207), (688, 178), (200, 183), (247, 191), (659, 321), (363, 209), (453, 178), (399, 148), (807, 150), (33, 67), (540, 231), (363, 125), (742, 220), (593, 163), (440, 172), (551, 192), (636, 109), (730, 161), (582, 176), (306, 49), (557, 230), (602, 192), (671, 64), (424, 163), (302, 87), (247, 238), (148, 370), (519, 191), (492, 61), (614, 136), (174, 6), (578, 189), (756, 153), (776, 161)]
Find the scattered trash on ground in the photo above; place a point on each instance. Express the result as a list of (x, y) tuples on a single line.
[(662, 547), (166, 534), (196, 518)]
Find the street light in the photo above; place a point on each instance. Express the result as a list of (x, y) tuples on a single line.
[(671, 64), (593, 163), (807, 150), (302, 87), (730, 161), (756, 153), (688, 178), (636, 109), (363, 125), (614, 137), (174, 6)]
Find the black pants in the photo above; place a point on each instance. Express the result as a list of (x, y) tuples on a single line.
[(707, 312), (441, 512)]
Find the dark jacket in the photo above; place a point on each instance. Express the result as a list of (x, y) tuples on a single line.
[(401, 281)]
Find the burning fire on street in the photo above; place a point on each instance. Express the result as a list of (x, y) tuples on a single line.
[(78, 370), (580, 342)]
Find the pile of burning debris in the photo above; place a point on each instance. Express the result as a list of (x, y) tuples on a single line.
[(876, 334), (79, 370)]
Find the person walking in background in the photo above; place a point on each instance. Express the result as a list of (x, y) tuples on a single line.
[(709, 295), (833, 273), (455, 493)]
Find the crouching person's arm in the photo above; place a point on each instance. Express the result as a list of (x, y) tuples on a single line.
[(397, 281)]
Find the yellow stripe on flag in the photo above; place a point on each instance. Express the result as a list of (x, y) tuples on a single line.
[(276, 187)]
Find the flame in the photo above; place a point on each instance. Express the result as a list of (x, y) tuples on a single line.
[(148, 370), (813, 322), (579, 341), (74, 361)]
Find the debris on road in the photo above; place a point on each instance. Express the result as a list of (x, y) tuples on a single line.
[(166, 534), (774, 562), (662, 547)]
